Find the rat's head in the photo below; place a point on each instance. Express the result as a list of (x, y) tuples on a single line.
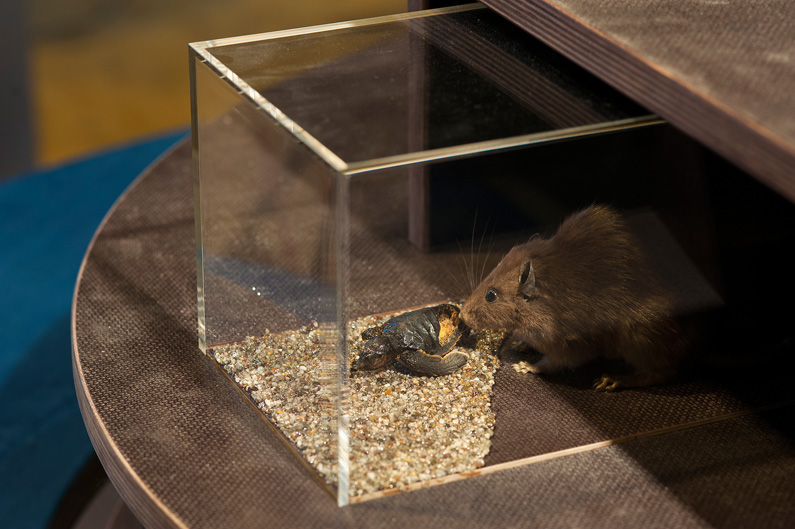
[(499, 301)]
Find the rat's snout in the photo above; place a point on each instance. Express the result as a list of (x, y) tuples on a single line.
[(468, 317)]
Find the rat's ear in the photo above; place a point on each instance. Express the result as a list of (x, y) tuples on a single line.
[(527, 279)]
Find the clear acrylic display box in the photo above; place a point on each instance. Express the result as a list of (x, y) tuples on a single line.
[(363, 168)]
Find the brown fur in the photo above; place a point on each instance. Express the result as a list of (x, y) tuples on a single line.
[(594, 295)]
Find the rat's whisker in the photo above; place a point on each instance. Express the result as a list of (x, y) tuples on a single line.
[(488, 253), (473, 266), (463, 265)]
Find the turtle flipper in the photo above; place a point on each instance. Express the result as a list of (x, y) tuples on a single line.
[(422, 362)]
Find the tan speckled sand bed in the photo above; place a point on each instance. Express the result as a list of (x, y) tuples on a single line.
[(404, 428)]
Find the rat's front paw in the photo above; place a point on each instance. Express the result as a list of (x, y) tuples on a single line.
[(526, 367), (606, 383)]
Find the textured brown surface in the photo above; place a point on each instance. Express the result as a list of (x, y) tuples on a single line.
[(721, 71), (186, 450)]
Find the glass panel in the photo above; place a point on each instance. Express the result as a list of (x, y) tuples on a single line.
[(347, 175), (267, 267), (354, 89), (408, 427)]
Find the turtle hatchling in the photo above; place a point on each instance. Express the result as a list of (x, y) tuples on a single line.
[(420, 340)]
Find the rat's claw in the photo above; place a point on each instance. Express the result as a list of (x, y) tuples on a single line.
[(606, 383), (524, 367)]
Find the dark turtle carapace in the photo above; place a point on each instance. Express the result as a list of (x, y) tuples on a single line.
[(420, 340)]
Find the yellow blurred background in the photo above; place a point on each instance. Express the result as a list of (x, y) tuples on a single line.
[(103, 72)]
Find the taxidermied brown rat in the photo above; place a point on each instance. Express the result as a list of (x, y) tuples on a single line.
[(586, 292)]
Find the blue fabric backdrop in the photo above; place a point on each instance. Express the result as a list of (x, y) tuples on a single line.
[(47, 219)]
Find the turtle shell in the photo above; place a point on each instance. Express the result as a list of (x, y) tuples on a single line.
[(419, 340)]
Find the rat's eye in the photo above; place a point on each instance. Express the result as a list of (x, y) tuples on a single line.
[(491, 296)]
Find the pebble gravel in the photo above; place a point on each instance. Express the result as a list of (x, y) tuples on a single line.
[(403, 428)]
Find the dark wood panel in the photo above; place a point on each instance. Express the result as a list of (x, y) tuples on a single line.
[(722, 72)]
